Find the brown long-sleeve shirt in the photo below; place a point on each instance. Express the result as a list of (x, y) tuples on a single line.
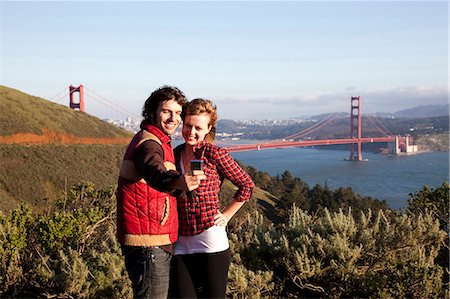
[(149, 161)]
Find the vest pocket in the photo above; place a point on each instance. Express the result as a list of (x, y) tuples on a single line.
[(165, 212)]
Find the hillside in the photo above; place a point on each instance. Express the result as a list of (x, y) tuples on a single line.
[(433, 143), (46, 148), (38, 174), (30, 119)]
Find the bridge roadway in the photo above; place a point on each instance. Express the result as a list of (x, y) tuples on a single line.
[(282, 144)]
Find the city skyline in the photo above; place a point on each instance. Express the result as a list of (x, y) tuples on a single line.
[(255, 60)]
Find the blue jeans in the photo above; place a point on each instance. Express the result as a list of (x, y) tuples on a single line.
[(148, 269)]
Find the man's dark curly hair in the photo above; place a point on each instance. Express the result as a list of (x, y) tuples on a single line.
[(162, 94)]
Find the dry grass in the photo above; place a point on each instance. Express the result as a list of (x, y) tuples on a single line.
[(39, 174)]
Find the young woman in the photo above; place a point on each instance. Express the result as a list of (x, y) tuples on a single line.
[(202, 254)]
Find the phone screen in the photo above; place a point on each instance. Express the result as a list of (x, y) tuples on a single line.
[(196, 165)]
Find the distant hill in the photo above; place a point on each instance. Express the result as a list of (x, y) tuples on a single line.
[(424, 111), (227, 125)]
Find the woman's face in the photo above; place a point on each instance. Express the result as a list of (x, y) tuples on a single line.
[(195, 128)]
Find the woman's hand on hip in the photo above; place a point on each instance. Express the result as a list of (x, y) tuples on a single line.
[(221, 219)]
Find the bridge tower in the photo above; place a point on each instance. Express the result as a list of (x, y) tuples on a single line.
[(80, 103), (355, 129)]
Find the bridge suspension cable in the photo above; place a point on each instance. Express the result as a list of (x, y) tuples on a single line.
[(102, 100), (331, 117), (381, 129), (59, 96), (369, 118), (379, 121)]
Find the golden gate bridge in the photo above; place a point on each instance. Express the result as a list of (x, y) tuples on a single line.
[(397, 144)]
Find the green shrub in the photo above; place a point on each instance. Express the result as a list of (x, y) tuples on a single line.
[(13, 243), (69, 252), (244, 283), (72, 252), (333, 256), (437, 202)]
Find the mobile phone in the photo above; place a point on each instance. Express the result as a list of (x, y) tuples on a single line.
[(196, 165)]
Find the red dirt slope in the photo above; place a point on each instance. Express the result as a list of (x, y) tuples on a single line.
[(52, 137)]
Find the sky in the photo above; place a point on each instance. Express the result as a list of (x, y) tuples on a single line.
[(254, 59)]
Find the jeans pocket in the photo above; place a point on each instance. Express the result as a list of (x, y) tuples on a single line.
[(159, 262)]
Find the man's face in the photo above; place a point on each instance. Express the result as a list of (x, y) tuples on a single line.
[(168, 116)]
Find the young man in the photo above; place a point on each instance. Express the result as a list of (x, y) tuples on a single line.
[(147, 220)]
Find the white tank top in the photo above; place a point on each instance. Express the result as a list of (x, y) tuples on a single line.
[(214, 239)]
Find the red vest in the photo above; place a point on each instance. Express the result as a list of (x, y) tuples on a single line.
[(145, 216)]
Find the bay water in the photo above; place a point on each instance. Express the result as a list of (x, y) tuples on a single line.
[(390, 178)]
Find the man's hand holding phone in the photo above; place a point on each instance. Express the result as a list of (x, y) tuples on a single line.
[(192, 179)]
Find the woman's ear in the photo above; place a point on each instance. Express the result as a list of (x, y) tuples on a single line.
[(209, 128)]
